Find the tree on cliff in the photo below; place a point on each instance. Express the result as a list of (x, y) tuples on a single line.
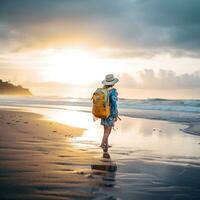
[(7, 88)]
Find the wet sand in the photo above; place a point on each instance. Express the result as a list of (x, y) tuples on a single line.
[(45, 159), (193, 128)]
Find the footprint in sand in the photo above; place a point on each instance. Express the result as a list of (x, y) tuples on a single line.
[(67, 135), (81, 172), (54, 131)]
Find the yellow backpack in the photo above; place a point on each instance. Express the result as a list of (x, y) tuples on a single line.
[(101, 104)]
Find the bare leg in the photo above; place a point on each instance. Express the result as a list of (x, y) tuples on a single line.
[(109, 128), (107, 131), (104, 136)]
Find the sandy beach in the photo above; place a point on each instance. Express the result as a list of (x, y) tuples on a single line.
[(44, 159), (37, 160), (99, 100)]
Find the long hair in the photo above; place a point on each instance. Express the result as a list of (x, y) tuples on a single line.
[(108, 86)]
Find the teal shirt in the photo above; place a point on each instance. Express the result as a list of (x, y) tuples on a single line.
[(113, 97)]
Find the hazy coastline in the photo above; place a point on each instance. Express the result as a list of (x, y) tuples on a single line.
[(7, 88), (182, 111), (61, 61)]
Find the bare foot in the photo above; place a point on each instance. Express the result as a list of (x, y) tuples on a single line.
[(102, 145)]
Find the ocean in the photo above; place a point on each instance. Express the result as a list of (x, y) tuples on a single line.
[(182, 110)]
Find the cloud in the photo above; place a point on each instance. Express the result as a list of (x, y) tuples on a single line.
[(164, 84), (164, 79), (133, 27), (147, 79)]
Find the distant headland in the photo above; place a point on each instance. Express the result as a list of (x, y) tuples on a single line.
[(7, 88)]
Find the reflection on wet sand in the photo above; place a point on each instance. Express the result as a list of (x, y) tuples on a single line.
[(104, 173), (44, 160)]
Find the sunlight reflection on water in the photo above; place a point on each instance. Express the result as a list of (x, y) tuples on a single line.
[(156, 136), (153, 136)]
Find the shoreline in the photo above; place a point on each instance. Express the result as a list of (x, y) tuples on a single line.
[(19, 120), (193, 127)]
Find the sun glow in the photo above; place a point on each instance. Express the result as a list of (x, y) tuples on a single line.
[(72, 65)]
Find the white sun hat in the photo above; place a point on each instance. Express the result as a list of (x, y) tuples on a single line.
[(110, 80)]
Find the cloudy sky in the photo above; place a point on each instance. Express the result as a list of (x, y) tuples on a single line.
[(65, 47)]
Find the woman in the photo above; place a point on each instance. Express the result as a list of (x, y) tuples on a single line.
[(108, 123)]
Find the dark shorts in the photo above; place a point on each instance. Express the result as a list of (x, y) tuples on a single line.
[(108, 121)]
